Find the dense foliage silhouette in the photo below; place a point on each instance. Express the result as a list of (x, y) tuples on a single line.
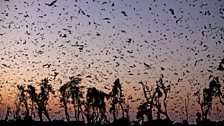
[(93, 110)]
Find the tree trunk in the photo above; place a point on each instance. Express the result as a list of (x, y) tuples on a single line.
[(122, 109), (82, 113), (78, 113), (40, 113), (114, 112), (27, 109), (32, 110), (66, 111), (165, 106), (46, 113), (76, 118)]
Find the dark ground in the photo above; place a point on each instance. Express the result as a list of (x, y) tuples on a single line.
[(118, 123)]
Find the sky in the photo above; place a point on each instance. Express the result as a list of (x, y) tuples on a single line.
[(100, 41)]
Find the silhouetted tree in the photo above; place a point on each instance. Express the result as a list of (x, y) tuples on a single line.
[(22, 99), (75, 94), (41, 99), (32, 97), (198, 119), (155, 98), (117, 99), (71, 90), (208, 94), (146, 107), (95, 106), (220, 68), (161, 90), (142, 110), (64, 98)]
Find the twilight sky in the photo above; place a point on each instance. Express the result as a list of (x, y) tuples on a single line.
[(101, 40)]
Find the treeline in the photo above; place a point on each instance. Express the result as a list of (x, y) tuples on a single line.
[(92, 108)]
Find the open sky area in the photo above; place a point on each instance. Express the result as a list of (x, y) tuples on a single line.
[(102, 40)]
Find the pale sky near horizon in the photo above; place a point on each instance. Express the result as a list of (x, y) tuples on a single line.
[(109, 39)]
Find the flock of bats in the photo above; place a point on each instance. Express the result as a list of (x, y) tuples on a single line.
[(104, 40)]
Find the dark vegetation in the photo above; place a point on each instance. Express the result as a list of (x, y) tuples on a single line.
[(92, 110)]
